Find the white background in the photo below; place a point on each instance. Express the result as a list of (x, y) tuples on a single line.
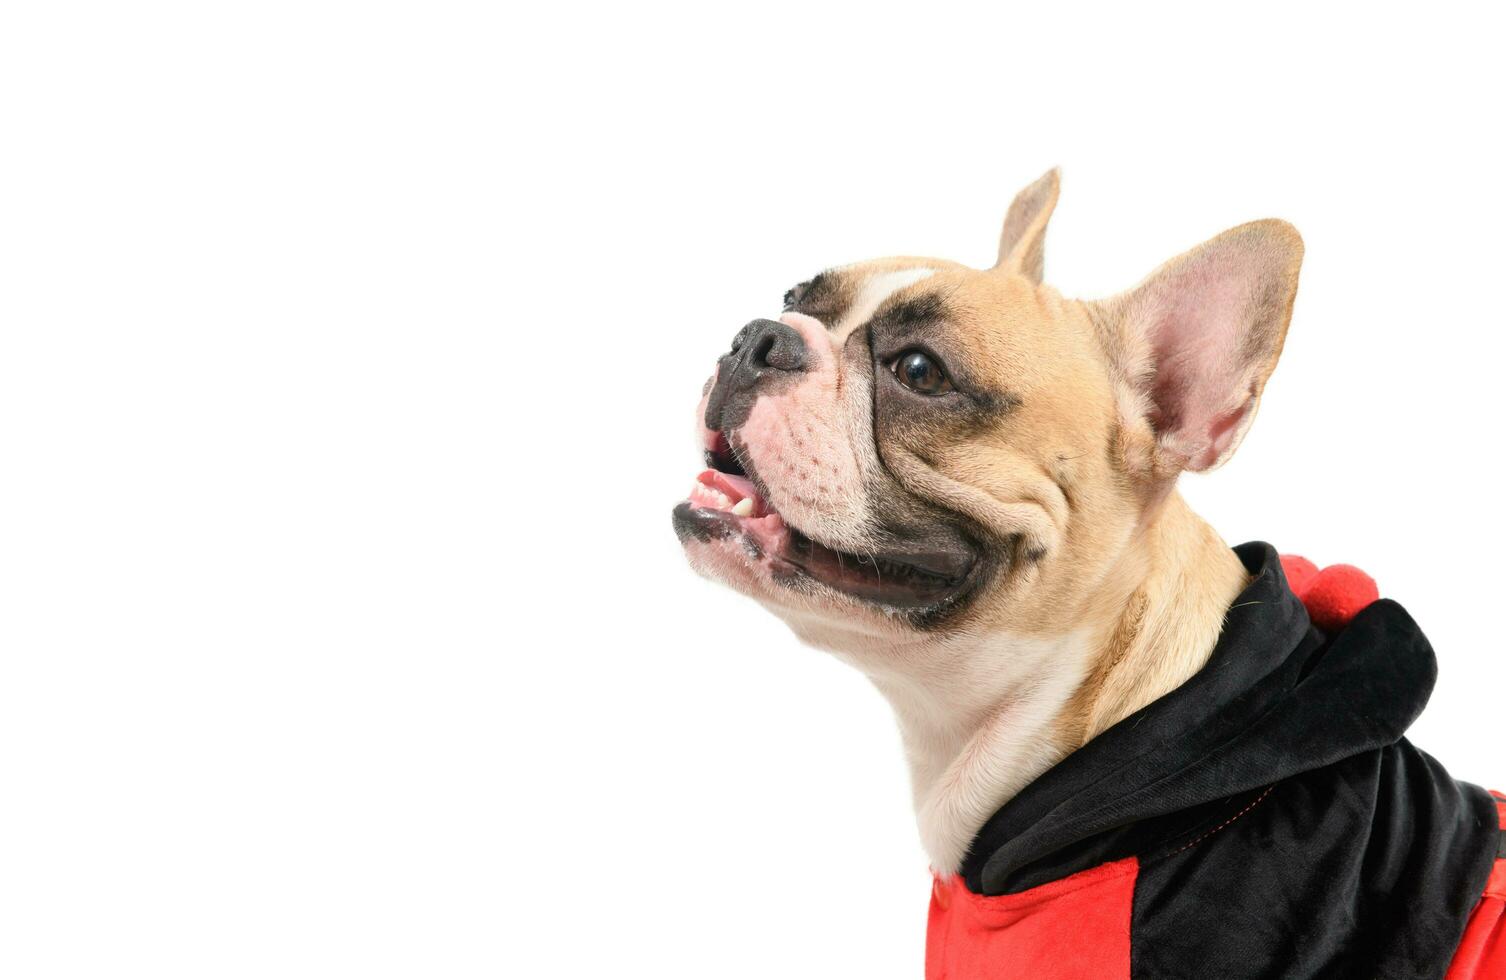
[(348, 366)]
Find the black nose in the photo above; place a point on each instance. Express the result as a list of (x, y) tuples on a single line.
[(762, 351), (769, 344)]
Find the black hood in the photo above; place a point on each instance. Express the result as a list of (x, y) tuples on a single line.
[(1315, 723)]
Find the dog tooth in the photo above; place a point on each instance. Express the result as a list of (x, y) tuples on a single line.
[(744, 507)]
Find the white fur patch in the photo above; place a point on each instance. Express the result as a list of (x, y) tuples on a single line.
[(976, 714), (875, 290)]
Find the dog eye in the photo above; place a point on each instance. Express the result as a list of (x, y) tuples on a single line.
[(917, 371)]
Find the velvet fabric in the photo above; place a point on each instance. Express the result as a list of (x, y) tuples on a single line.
[(1482, 952), (1281, 824)]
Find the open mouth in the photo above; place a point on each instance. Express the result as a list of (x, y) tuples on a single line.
[(725, 503)]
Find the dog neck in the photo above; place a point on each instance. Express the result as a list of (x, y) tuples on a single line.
[(982, 716)]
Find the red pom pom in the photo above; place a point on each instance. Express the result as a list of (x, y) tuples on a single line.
[(1299, 572), (1332, 596), (1337, 595)]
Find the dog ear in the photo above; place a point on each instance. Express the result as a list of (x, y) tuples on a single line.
[(1197, 340), (1022, 243)]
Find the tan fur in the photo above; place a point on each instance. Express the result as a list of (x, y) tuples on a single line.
[(1117, 591), (1165, 632), (1022, 243)]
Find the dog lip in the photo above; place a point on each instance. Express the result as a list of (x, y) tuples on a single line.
[(896, 579), (703, 523), (723, 507), (935, 564)]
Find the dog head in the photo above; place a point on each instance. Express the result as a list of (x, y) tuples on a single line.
[(914, 448)]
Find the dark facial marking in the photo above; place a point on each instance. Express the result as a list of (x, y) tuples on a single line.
[(904, 419), (916, 311), (923, 323), (826, 297)]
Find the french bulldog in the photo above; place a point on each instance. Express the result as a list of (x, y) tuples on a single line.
[(964, 484)]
